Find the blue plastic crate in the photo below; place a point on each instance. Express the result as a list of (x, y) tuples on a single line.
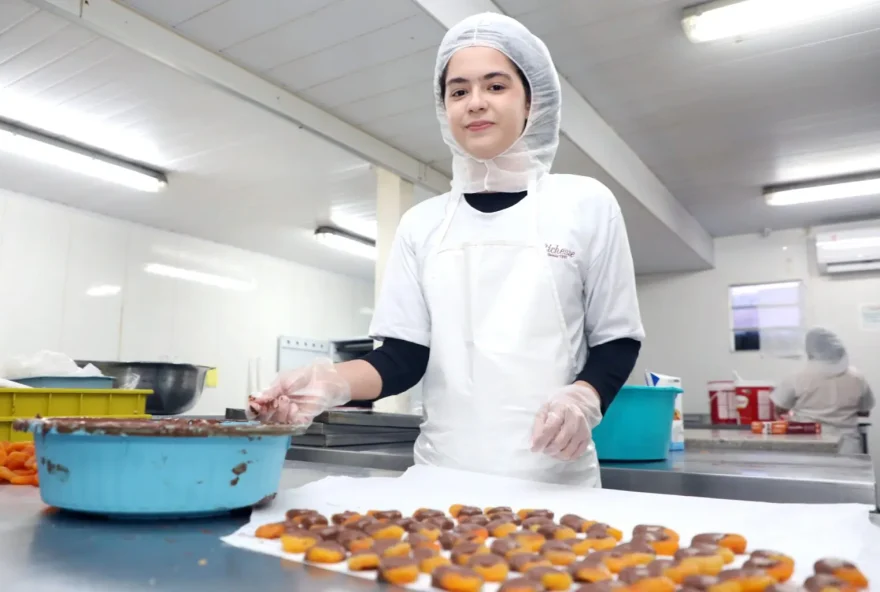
[(68, 382), (637, 425)]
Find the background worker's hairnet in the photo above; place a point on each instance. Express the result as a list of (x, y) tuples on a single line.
[(531, 156), (824, 348)]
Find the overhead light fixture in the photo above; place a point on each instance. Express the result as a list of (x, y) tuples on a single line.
[(722, 19), (346, 241), (199, 277), (22, 140), (360, 225), (104, 290), (790, 194)]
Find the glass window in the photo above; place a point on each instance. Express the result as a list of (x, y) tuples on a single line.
[(767, 317)]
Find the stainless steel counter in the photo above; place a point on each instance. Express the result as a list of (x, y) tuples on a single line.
[(745, 440), (63, 553), (742, 475)]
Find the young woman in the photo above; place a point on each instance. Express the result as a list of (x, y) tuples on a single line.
[(827, 390), (496, 292)]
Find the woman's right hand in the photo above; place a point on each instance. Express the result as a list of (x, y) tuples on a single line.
[(296, 397)]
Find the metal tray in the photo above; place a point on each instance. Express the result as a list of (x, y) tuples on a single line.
[(348, 439), (328, 428), (370, 418)]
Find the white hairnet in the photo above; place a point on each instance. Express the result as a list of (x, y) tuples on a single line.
[(825, 348), (531, 156)]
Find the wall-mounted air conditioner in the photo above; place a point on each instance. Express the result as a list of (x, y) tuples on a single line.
[(848, 248)]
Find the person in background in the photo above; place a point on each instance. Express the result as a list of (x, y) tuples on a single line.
[(497, 291), (827, 390)]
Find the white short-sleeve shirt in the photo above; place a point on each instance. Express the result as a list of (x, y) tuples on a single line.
[(814, 394), (580, 224)]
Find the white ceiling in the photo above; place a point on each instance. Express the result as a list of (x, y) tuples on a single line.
[(370, 63), (714, 122), (718, 121), (239, 175)]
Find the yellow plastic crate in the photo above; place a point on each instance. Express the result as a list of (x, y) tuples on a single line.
[(18, 403)]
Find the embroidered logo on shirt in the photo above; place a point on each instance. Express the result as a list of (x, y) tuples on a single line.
[(558, 252)]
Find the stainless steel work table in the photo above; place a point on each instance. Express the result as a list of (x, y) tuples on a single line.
[(730, 474), (62, 553)]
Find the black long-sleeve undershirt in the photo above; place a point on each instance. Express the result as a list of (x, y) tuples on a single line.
[(401, 364)]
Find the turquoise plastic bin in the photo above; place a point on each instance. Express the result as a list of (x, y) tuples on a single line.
[(143, 469), (637, 425)]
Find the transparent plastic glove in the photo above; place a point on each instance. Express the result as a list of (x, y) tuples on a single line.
[(564, 424), (296, 397)]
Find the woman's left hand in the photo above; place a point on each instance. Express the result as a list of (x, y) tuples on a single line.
[(564, 425)]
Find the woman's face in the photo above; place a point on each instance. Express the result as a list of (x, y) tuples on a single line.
[(486, 102)]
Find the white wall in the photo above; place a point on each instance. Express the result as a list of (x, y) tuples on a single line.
[(50, 255), (687, 320)]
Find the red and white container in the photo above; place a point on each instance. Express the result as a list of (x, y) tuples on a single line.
[(753, 401), (722, 402)]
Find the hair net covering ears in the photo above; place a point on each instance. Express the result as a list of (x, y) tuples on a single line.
[(824, 348), (531, 156)]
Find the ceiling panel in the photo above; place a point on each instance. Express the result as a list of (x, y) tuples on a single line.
[(37, 53), (237, 174), (567, 14), (714, 121), (411, 121), (335, 23), (371, 62), (411, 73), (370, 49), (173, 11), (654, 247), (235, 21), (417, 133), (26, 28), (12, 13), (368, 62), (718, 121), (385, 105)]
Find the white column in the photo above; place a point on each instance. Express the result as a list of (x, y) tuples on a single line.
[(394, 196)]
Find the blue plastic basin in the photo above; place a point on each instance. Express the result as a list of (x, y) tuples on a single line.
[(132, 475), (637, 425)]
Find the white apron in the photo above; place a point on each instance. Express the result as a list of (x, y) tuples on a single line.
[(499, 349)]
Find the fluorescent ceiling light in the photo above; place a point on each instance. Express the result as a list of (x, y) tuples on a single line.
[(78, 126), (734, 18), (346, 241), (199, 277), (103, 290), (356, 225), (829, 189), (24, 141)]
